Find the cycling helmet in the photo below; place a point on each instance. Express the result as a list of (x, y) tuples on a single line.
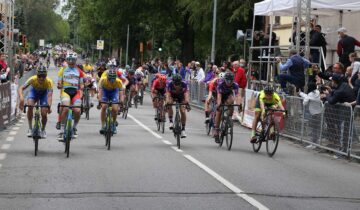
[(177, 79), (268, 89), (222, 75), (131, 72), (138, 72), (112, 74), (127, 67), (71, 56), (162, 78), (229, 76), (41, 70), (110, 65)]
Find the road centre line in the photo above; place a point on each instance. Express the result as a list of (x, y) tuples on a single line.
[(167, 142), (227, 184), (9, 138), (240, 193), (2, 156), (176, 149), (12, 133), (145, 127), (5, 146)]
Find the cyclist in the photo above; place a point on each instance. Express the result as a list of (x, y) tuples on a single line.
[(212, 93), (158, 89), (132, 86), (110, 88), (177, 90), (71, 83), (41, 91), (267, 98), (100, 70), (139, 75), (227, 94), (90, 79)]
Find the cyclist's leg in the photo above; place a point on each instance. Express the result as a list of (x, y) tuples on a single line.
[(65, 100), (44, 110), (256, 120), (230, 101), (182, 113), (32, 98), (115, 107), (170, 109), (104, 98), (76, 101), (207, 104)]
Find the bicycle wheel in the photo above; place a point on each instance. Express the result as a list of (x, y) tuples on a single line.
[(87, 104), (257, 145), (177, 129), (67, 138), (36, 142), (229, 134), (142, 96), (272, 139), (158, 121), (223, 128)]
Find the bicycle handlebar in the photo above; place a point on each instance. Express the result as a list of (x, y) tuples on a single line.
[(35, 106), (103, 102), (275, 110), (158, 97)]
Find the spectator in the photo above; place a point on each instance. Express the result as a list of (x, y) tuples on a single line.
[(210, 73), (317, 39), (296, 66), (243, 64), (188, 72), (200, 75), (345, 46), (355, 64), (341, 92), (227, 66), (294, 36), (313, 102), (240, 75), (337, 68), (4, 69)]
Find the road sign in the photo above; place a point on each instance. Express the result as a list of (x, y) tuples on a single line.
[(100, 45), (41, 42)]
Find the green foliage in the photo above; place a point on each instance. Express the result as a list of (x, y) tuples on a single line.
[(38, 21), (184, 26)]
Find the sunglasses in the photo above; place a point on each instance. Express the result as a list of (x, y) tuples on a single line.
[(41, 76)]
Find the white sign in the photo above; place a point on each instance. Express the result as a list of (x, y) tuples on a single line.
[(41, 42), (100, 44)]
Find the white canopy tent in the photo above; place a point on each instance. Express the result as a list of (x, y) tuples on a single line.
[(318, 7)]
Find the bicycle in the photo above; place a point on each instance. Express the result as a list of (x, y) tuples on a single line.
[(226, 126), (160, 114), (268, 131), (141, 96), (108, 123), (127, 102), (86, 102), (68, 128), (35, 133), (177, 121), (211, 124)]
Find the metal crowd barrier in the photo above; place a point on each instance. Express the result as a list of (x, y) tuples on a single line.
[(355, 140), (8, 99)]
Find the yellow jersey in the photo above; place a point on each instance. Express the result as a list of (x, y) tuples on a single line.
[(88, 69), (274, 100), (47, 84), (106, 84)]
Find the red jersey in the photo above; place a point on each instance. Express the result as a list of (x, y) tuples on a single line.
[(213, 85), (158, 86)]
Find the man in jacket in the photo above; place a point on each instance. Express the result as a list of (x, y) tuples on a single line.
[(345, 46)]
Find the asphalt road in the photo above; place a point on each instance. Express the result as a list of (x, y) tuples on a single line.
[(144, 170)]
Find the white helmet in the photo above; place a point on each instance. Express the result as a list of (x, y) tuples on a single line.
[(222, 75), (71, 56), (138, 72)]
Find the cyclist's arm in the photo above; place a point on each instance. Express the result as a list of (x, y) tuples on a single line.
[(218, 103), (237, 97), (122, 95), (187, 97), (125, 81), (100, 93)]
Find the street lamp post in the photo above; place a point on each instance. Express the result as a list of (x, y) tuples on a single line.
[(213, 33)]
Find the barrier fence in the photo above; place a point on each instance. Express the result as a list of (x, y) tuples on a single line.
[(334, 128), (8, 99)]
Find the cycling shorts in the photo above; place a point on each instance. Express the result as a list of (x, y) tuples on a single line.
[(110, 95), (178, 97), (38, 95), (71, 95)]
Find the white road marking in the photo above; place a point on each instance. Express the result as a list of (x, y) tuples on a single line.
[(5, 146), (167, 142), (18, 124), (21, 121), (145, 127), (2, 156), (12, 133), (16, 128), (10, 138), (176, 149), (226, 183), (0, 166), (222, 180)]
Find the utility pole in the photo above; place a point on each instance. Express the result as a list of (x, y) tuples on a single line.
[(127, 45), (213, 32)]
